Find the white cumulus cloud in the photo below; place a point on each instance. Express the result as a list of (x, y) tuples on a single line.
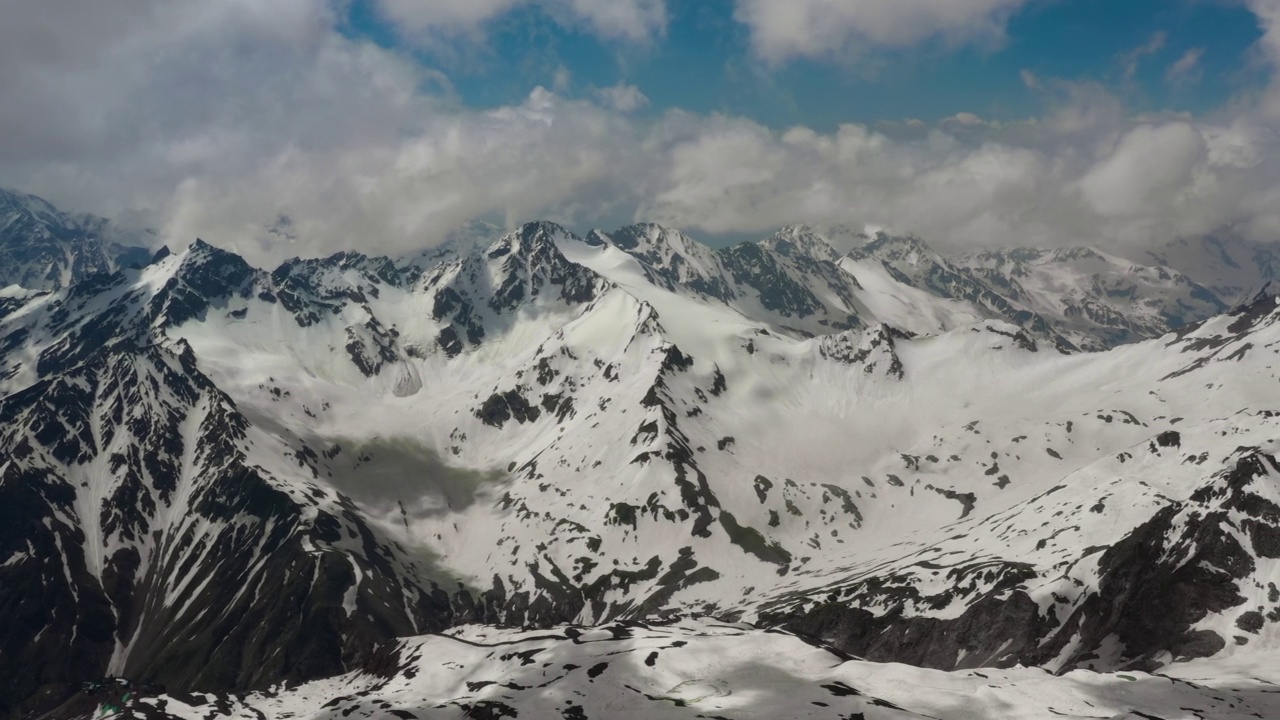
[(221, 117)]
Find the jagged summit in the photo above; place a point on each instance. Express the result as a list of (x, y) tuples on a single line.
[(43, 248), (802, 240), (1232, 268), (906, 249), (1265, 293)]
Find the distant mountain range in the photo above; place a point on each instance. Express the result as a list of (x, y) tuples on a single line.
[(215, 478)]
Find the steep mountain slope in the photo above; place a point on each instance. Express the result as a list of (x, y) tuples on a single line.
[(1074, 299), (1096, 300), (794, 289), (1095, 537), (149, 528), (547, 429), (1234, 269), (908, 261), (43, 248)]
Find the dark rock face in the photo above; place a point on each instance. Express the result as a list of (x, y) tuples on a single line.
[(673, 261), (1020, 339), (522, 268), (208, 277), (371, 346), (992, 632), (532, 264), (752, 265), (175, 561), (203, 571), (1251, 622), (42, 248), (779, 275), (1155, 585), (782, 275), (10, 304), (874, 352), (1150, 603), (500, 408)]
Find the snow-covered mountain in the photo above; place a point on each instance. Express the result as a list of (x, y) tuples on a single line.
[(1233, 268), (43, 248), (1073, 298), (215, 477), (1094, 299)]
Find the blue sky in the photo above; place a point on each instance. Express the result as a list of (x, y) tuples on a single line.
[(704, 62)]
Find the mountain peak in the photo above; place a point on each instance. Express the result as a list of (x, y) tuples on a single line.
[(804, 240), (1078, 252), (532, 238), (883, 242), (14, 200), (161, 254), (212, 271), (545, 228), (202, 248), (44, 248), (650, 237), (525, 264), (1267, 292)]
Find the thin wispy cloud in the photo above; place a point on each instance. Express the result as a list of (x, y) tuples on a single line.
[(1134, 58), (1186, 69)]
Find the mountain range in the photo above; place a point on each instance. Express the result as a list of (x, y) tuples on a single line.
[(796, 476)]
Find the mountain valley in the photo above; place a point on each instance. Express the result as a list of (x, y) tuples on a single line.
[(549, 475)]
